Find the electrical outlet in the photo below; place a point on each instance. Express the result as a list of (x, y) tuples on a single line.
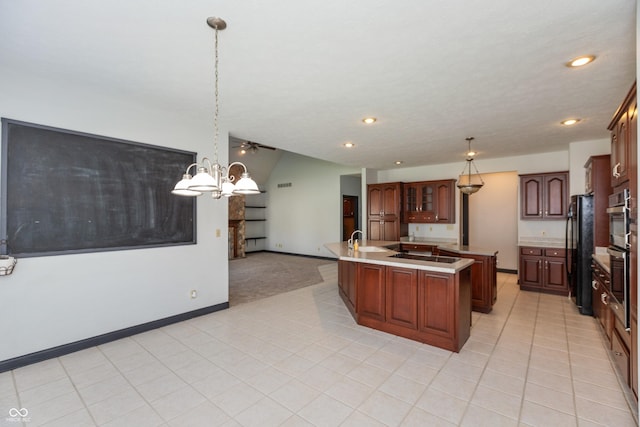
[(217, 232), (193, 294), (430, 228), (417, 228)]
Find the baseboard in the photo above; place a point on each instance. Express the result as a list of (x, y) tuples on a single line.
[(506, 270), (291, 253), (61, 350)]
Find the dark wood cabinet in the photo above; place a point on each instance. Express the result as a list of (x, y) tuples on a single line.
[(429, 202), (484, 283), (598, 183), (347, 284), (543, 270), (544, 196), (623, 129), (402, 297), (384, 211), (426, 306), (371, 291)]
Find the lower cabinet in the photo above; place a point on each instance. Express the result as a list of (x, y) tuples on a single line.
[(426, 306), (484, 280), (347, 284), (543, 270), (619, 341)]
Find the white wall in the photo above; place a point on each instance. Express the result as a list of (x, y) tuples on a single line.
[(50, 301), (305, 216)]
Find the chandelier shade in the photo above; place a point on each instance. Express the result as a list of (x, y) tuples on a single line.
[(211, 177), (468, 182)]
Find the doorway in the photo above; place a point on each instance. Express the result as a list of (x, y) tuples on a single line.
[(350, 216)]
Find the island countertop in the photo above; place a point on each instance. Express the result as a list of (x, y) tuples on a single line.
[(382, 255)]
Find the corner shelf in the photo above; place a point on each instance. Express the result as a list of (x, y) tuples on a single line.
[(255, 219)]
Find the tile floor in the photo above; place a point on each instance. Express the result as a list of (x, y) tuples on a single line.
[(298, 359)]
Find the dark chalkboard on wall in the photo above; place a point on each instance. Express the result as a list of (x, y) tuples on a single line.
[(68, 192)]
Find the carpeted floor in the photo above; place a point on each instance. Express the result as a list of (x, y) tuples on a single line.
[(263, 274)]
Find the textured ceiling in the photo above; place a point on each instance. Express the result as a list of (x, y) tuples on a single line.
[(300, 75)]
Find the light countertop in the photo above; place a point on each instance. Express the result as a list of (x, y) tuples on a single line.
[(383, 254)]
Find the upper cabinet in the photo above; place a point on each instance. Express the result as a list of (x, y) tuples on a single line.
[(384, 211), (544, 196), (623, 130), (430, 202)]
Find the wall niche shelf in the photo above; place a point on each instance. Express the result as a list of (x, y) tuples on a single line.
[(255, 218)]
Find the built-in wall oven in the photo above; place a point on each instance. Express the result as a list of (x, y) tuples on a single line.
[(619, 233)]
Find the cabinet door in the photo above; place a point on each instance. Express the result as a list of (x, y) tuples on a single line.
[(375, 200), (410, 198), (347, 282), (555, 274), (402, 297), (390, 229), (531, 188), (375, 229), (370, 292), (445, 211), (530, 270), (435, 302), (619, 151), (555, 196)]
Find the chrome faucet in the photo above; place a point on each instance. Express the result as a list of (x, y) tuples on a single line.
[(350, 241)]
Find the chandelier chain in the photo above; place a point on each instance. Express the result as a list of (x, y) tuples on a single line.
[(215, 113)]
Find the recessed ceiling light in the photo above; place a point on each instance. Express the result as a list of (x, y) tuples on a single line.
[(349, 144), (569, 122), (399, 162), (369, 120), (580, 61)]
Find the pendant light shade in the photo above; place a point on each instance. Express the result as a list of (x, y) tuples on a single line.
[(469, 183), (211, 177)]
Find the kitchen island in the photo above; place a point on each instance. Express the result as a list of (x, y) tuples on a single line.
[(423, 299)]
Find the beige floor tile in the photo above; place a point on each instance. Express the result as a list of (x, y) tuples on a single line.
[(294, 395), (421, 418), (385, 408), (541, 416), (264, 412), (551, 398), (325, 411), (478, 416), (442, 405), (497, 401), (350, 391)]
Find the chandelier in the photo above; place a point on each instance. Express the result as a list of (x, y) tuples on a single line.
[(210, 176), (470, 183)]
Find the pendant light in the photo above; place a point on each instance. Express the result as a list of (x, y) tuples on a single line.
[(470, 183), (211, 177)]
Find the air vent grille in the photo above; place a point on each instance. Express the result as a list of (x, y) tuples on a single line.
[(284, 185)]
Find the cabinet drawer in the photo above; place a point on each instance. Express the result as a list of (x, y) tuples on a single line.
[(531, 251), (552, 252), (620, 356)]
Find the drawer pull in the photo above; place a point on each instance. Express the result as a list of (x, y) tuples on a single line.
[(594, 285), (603, 298), (617, 353)]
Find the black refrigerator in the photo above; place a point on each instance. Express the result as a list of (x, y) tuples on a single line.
[(579, 250)]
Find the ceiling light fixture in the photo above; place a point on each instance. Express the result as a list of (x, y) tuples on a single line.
[(398, 162), (580, 61), (470, 183), (369, 120), (349, 144), (212, 177), (569, 122)]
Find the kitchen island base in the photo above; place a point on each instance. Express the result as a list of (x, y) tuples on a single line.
[(426, 306)]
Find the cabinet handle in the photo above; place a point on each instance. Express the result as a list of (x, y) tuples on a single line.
[(437, 219), (617, 353), (616, 172), (546, 213), (540, 213), (594, 285), (603, 298), (546, 265)]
